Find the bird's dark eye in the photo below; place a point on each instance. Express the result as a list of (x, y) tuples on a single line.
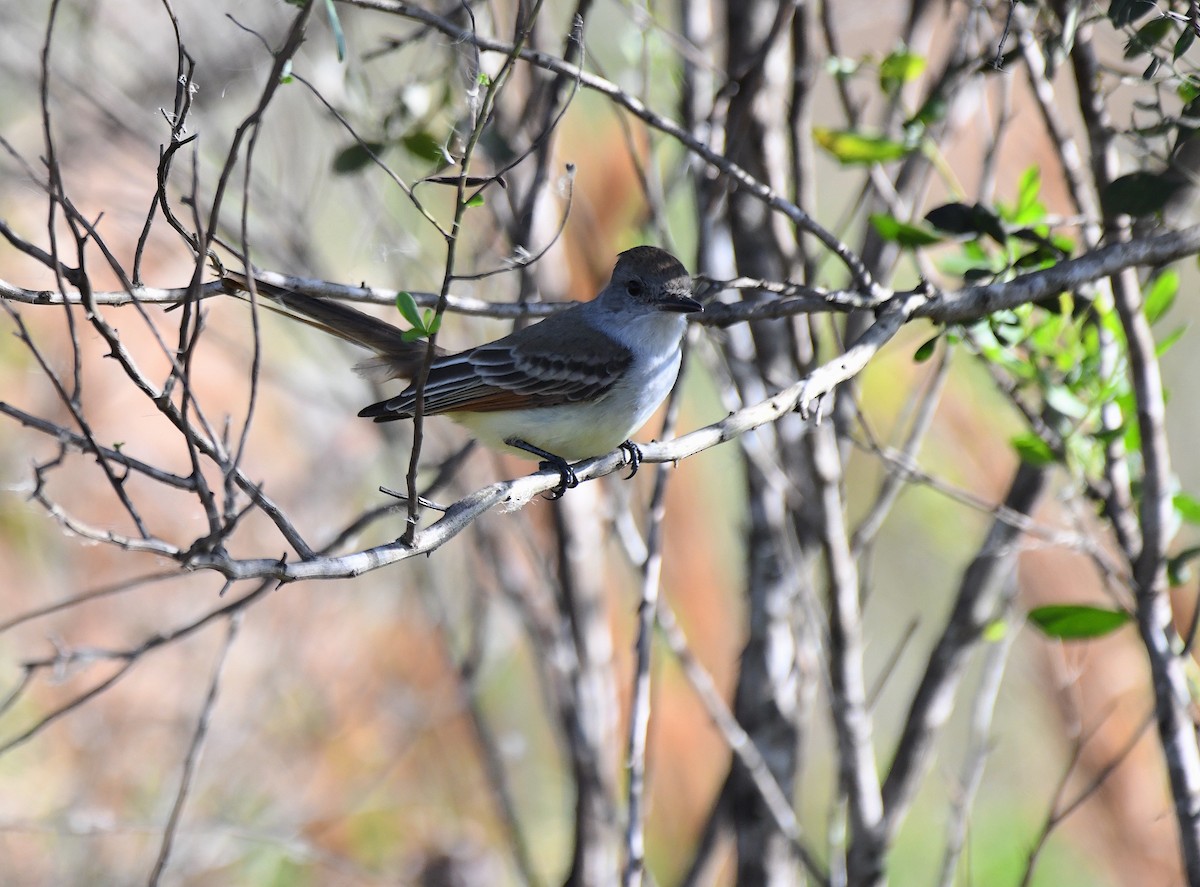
[(635, 288)]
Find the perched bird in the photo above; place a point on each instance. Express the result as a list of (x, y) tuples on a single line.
[(571, 387)]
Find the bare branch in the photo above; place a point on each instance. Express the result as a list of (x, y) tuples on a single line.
[(979, 600), (193, 754)]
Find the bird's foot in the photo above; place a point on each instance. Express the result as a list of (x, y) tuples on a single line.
[(635, 457), (566, 474)]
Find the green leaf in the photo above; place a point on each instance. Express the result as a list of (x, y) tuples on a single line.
[(853, 147), (926, 350), (1029, 235), (1028, 190), (1177, 566), (958, 218), (407, 306), (1187, 507), (1186, 38), (1063, 401), (1147, 37), (1161, 294), (1070, 622), (995, 631), (990, 224), (412, 335), (953, 218), (1137, 194), (1126, 12), (339, 36), (933, 110), (1033, 450), (355, 157), (975, 275), (1170, 339), (477, 200), (900, 67), (1037, 258), (422, 144), (911, 236)]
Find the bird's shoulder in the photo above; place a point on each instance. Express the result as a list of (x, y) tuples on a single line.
[(570, 343)]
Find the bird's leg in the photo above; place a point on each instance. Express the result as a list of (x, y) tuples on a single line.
[(567, 478), (635, 457)]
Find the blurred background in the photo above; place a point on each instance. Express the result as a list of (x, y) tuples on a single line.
[(359, 725)]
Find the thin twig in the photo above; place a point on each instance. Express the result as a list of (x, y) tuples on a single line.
[(192, 759)]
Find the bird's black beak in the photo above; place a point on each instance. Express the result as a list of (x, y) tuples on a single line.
[(680, 305)]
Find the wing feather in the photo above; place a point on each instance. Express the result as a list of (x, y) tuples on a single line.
[(543, 365)]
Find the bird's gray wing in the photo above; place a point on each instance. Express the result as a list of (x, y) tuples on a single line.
[(557, 361)]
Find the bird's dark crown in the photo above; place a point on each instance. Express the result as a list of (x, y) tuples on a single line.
[(652, 265)]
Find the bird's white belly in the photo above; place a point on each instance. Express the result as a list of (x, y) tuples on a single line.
[(580, 430)]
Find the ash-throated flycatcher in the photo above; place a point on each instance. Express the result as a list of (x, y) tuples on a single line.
[(574, 386)]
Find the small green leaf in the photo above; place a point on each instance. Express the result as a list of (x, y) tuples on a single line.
[(1063, 401), (911, 236), (422, 144), (973, 276), (932, 111), (1147, 37), (1029, 235), (1177, 566), (995, 631), (958, 218), (354, 157), (1170, 339), (1033, 450), (1186, 38), (953, 218), (412, 335), (1161, 294), (1138, 194), (851, 147), (1126, 12), (1036, 258), (1028, 189), (1071, 622), (926, 350), (1187, 507), (407, 306), (477, 200), (990, 224), (900, 67)]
